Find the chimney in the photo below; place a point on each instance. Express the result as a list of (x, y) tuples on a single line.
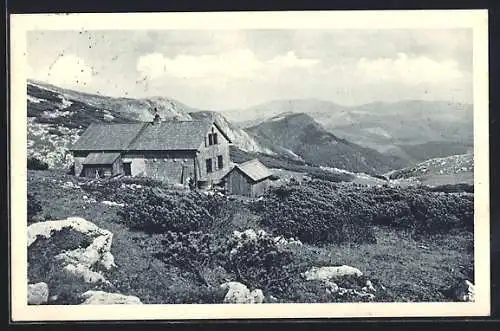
[(157, 118)]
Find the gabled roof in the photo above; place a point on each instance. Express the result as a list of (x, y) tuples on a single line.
[(168, 135), (114, 137), (101, 158), (253, 169), (172, 135)]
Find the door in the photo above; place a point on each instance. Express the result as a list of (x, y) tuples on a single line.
[(126, 169)]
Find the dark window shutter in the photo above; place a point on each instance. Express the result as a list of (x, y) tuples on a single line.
[(220, 162), (209, 165)]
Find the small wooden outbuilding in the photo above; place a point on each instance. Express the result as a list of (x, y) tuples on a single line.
[(250, 179)]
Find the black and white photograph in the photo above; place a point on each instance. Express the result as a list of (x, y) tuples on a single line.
[(250, 169)]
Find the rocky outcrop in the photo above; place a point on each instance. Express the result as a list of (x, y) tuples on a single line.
[(464, 291), (79, 262), (358, 288), (326, 273), (239, 293), (38, 293), (105, 298)]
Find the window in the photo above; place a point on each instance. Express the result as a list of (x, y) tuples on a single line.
[(220, 162), (212, 139), (209, 165)]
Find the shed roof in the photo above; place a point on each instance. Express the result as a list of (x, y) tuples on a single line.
[(172, 135), (101, 158), (254, 169), (102, 137)]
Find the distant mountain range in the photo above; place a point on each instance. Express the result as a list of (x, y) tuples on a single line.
[(412, 130), (299, 134)]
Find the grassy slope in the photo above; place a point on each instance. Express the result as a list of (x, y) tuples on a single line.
[(138, 272), (409, 272), (453, 169)]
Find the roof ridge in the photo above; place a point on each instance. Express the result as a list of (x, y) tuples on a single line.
[(137, 135), (250, 161)]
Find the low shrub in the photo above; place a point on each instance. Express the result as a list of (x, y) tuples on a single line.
[(194, 252), (454, 188), (36, 164), (422, 211), (316, 213), (259, 262), (34, 207), (155, 211), (319, 212)]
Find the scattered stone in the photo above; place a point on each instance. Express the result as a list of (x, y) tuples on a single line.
[(105, 298), (239, 293), (331, 287), (369, 286), (112, 203), (464, 291), (38, 293), (326, 273), (81, 272)]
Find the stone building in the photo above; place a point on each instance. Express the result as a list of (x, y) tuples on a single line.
[(171, 151)]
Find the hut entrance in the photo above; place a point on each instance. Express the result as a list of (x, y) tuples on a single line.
[(127, 169)]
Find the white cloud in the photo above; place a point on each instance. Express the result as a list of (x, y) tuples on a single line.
[(236, 64), (67, 70), (290, 60), (408, 70)]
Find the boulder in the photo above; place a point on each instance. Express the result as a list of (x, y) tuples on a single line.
[(239, 293), (464, 291), (105, 298), (326, 273), (78, 262), (38, 293)]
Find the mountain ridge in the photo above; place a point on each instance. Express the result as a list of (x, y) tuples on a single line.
[(308, 139)]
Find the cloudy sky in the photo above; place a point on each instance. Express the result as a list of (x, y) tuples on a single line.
[(225, 69)]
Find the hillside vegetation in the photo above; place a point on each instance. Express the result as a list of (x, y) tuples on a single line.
[(174, 246)]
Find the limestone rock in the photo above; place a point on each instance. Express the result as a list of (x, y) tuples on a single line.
[(79, 262), (326, 273), (38, 293), (239, 293), (105, 298), (464, 291)]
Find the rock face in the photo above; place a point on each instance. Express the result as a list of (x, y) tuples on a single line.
[(105, 298), (77, 263), (38, 293), (326, 273), (464, 291), (239, 293)]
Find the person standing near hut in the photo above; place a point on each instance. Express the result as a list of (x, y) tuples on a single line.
[(190, 181)]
